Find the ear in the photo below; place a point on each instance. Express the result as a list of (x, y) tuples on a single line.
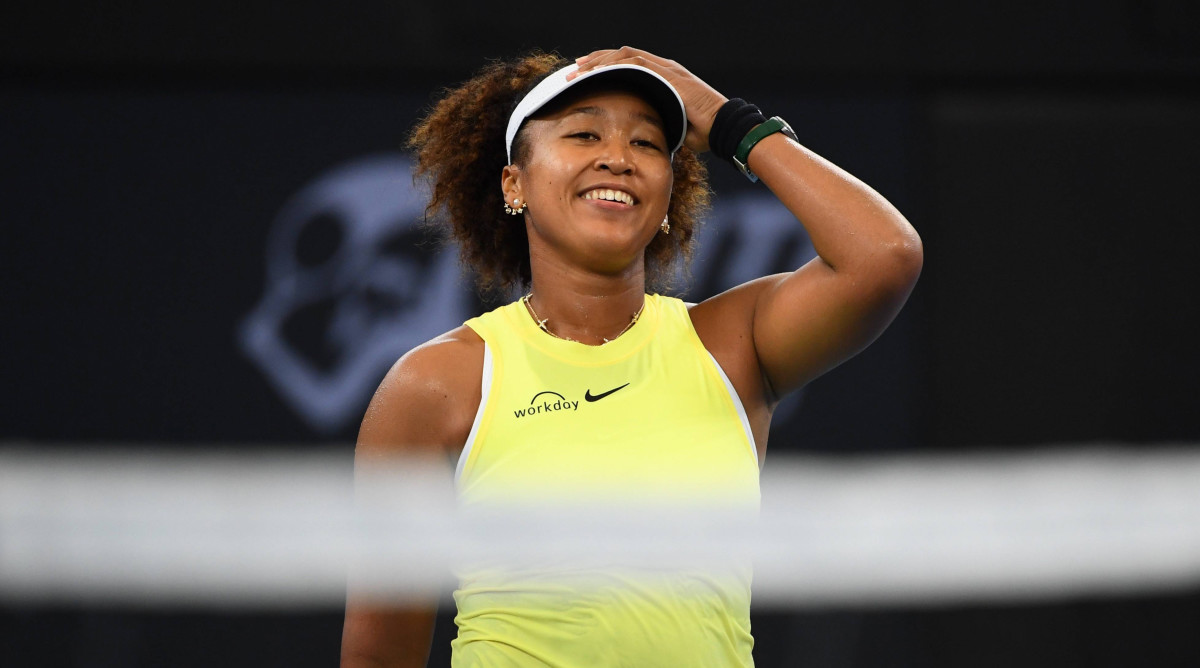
[(510, 183)]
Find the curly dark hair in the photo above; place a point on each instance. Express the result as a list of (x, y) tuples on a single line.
[(460, 151)]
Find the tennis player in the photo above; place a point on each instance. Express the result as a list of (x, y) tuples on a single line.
[(578, 184)]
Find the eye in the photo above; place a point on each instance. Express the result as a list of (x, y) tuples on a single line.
[(584, 134), (647, 143)]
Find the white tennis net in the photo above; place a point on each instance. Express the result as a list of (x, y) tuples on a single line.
[(279, 529)]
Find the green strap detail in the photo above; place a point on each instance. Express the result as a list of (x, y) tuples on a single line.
[(760, 132)]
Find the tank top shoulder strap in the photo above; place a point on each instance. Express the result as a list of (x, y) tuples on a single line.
[(497, 327)]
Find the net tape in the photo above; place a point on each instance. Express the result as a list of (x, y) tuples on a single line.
[(280, 529)]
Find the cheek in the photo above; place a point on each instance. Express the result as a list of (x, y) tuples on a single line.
[(545, 176), (668, 187), (556, 184)]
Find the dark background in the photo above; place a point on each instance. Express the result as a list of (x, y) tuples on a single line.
[(1046, 155)]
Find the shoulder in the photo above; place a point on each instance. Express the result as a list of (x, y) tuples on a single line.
[(428, 398), (443, 362)]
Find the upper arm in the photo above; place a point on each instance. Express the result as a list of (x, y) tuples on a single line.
[(809, 321), (781, 331), (422, 411)]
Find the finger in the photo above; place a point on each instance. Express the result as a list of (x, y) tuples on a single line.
[(609, 59), (585, 63), (583, 60), (623, 55)]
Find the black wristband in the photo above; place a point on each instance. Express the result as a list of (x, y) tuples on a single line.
[(733, 121)]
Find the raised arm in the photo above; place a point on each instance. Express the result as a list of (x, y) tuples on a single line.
[(868, 259), (422, 410), (787, 329)]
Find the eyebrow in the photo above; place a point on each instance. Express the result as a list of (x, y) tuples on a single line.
[(599, 111)]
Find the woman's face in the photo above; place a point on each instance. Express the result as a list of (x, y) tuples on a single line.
[(597, 179)]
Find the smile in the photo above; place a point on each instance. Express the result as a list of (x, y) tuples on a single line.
[(609, 195)]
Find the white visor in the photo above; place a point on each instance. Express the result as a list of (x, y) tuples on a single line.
[(657, 91)]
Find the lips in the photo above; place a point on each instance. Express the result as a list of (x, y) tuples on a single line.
[(610, 195)]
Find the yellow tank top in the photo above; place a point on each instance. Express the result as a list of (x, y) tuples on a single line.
[(648, 417)]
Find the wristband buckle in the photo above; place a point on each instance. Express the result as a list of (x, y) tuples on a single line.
[(741, 157)]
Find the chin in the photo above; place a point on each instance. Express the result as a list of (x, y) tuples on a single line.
[(614, 259), (617, 232)]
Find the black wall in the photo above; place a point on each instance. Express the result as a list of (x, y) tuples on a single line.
[(148, 152)]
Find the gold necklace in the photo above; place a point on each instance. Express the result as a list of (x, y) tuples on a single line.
[(541, 322)]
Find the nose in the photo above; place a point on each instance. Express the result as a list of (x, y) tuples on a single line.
[(615, 157)]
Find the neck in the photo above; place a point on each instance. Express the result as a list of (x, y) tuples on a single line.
[(584, 306)]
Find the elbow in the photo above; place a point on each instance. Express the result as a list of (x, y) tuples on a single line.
[(910, 257), (899, 262)]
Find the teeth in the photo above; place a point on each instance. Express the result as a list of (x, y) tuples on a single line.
[(610, 195)]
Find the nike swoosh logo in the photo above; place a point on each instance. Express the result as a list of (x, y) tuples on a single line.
[(588, 396)]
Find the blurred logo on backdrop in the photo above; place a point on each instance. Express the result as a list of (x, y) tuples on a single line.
[(353, 281)]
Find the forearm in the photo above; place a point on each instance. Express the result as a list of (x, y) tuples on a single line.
[(811, 320), (854, 229)]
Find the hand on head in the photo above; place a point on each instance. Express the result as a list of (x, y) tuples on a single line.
[(701, 100)]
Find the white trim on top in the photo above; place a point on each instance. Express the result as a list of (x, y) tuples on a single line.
[(485, 388), (737, 404)]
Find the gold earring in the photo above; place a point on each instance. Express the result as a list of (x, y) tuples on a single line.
[(666, 226), (516, 209)]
